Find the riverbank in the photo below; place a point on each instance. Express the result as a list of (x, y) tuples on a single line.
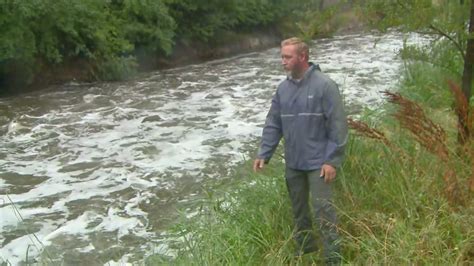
[(391, 195), (34, 71), (81, 70)]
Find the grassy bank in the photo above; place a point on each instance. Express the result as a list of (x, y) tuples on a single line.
[(400, 201)]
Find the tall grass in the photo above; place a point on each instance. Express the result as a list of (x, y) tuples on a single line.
[(249, 224), (403, 194)]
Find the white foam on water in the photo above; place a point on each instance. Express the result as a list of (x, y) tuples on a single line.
[(121, 262), (29, 243), (86, 249), (106, 153), (9, 218), (16, 250), (114, 221), (77, 226)]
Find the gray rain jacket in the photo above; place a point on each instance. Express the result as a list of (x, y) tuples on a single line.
[(310, 116)]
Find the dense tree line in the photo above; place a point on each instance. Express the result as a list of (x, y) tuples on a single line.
[(108, 33)]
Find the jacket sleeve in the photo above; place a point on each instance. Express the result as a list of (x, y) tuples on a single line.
[(272, 131), (336, 125)]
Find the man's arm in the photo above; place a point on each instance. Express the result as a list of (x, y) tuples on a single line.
[(272, 133), (336, 125)]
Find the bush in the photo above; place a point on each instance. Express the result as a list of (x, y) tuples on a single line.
[(119, 68), (52, 31)]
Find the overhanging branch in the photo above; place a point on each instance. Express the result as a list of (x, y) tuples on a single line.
[(456, 43), (438, 31)]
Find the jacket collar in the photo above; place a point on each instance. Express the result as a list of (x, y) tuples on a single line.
[(308, 72)]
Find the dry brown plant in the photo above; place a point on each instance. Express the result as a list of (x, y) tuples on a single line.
[(465, 116), (427, 133), (431, 136), (365, 130)]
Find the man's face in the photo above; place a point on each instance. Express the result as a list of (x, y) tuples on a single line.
[(291, 59)]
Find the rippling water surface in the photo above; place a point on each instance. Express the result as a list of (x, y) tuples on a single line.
[(97, 171)]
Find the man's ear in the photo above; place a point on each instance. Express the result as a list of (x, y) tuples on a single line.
[(302, 57)]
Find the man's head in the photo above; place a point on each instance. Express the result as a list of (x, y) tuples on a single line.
[(294, 56)]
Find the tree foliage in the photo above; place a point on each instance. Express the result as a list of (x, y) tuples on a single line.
[(447, 19), (104, 32), (202, 19), (145, 23)]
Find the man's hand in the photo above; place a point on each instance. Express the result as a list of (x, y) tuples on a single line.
[(329, 173), (258, 164)]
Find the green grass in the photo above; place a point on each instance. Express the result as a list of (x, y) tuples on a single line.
[(248, 224), (389, 214), (390, 201), (396, 214)]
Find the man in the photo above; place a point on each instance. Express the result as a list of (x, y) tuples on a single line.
[(307, 111)]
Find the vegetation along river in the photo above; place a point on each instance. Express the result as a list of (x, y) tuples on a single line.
[(97, 171)]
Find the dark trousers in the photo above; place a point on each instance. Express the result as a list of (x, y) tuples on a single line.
[(303, 186)]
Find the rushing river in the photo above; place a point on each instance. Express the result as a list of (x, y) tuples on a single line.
[(94, 173)]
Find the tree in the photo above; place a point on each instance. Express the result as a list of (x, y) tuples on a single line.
[(451, 20), (467, 72)]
